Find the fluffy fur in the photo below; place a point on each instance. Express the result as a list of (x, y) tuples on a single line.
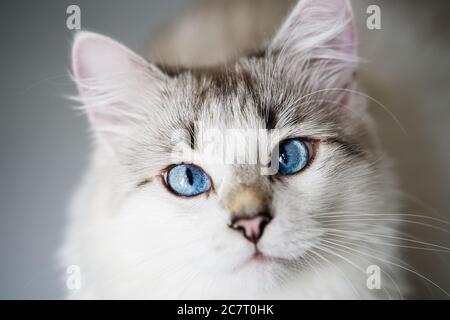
[(134, 239)]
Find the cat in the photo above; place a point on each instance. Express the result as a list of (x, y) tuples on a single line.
[(159, 216)]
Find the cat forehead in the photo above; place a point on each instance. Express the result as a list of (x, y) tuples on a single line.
[(252, 93), (249, 92), (225, 82)]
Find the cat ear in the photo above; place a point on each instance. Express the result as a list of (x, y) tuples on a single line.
[(116, 85), (319, 33)]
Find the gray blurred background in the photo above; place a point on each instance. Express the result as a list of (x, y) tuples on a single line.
[(44, 143)]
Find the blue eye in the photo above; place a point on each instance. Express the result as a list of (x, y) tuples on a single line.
[(187, 180), (293, 157)]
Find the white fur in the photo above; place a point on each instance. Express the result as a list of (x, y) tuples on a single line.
[(143, 242)]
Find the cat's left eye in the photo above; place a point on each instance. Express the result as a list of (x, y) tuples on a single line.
[(294, 155), (187, 180)]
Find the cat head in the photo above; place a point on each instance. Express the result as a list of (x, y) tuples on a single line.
[(184, 201)]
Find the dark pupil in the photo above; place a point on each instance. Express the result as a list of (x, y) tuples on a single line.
[(189, 176)]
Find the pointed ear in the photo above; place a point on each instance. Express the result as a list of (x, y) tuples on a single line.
[(319, 33), (116, 86)]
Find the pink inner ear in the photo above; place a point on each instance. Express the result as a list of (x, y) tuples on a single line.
[(117, 86), (344, 41), (97, 57), (91, 58), (317, 24)]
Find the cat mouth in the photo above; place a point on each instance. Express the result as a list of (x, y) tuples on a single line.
[(259, 259), (259, 256), (262, 258)]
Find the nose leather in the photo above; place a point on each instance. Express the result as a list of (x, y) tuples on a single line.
[(252, 228)]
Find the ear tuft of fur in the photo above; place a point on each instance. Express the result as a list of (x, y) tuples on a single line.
[(318, 39), (322, 26), (99, 59), (117, 88)]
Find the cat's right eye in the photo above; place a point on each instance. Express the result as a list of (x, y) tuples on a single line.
[(187, 180)]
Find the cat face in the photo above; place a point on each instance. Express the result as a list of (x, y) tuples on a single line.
[(185, 206)]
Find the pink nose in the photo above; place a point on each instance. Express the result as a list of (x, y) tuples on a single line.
[(251, 228)]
